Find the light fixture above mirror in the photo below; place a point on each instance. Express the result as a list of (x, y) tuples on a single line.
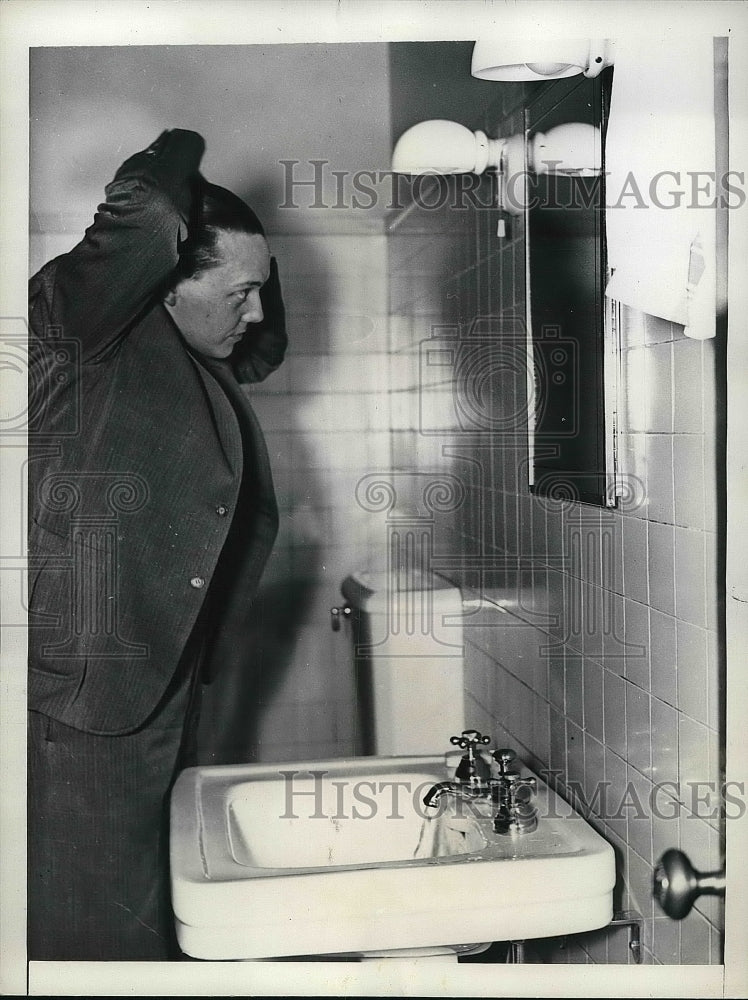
[(549, 167), (444, 147), (438, 146), (540, 58)]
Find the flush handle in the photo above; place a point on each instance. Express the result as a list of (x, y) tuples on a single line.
[(337, 614), (677, 884)]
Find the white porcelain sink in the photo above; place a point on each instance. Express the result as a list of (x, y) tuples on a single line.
[(324, 821), (332, 857)]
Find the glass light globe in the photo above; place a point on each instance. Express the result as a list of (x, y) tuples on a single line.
[(443, 147), (571, 148), (540, 56), (549, 68)]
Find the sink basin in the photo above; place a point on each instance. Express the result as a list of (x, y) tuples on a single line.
[(324, 821), (340, 857)]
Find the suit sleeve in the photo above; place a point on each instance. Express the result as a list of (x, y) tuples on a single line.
[(263, 347), (94, 291)]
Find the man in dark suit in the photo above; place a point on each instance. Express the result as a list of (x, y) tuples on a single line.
[(151, 517)]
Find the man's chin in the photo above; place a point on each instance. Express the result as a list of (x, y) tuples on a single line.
[(225, 350), (234, 340)]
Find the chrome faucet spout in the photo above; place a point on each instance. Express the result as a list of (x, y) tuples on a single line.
[(434, 795), (472, 778), (475, 778), (463, 790)]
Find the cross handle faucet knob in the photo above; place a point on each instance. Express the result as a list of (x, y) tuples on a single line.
[(469, 739), (472, 771), (503, 758)]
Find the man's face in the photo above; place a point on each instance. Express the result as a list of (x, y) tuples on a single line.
[(212, 310)]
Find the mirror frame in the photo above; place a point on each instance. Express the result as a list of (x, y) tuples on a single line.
[(582, 389)]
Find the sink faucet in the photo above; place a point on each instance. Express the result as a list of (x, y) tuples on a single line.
[(516, 812), (473, 774)]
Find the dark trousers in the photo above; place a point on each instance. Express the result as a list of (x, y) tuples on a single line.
[(98, 833)]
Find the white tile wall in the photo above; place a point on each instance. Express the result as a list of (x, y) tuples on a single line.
[(326, 414), (631, 693)]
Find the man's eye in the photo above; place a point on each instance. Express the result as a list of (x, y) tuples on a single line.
[(241, 295)]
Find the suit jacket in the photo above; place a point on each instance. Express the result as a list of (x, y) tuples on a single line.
[(149, 483)]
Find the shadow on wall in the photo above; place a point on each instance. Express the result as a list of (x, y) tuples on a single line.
[(265, 668), (257, 194), (253, 666)]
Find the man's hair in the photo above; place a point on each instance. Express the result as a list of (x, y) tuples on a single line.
[(219, 210)]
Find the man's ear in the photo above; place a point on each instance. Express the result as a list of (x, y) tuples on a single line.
[(171, 297)]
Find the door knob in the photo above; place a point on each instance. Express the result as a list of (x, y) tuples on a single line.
[(677, 884)]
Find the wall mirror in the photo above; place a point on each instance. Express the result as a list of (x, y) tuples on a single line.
[(571, 331)]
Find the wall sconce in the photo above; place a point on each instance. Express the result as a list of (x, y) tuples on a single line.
[(444, 147), (546, 58), (571, 348), (573, 148)]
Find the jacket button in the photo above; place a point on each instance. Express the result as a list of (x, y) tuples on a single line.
[(221, 510), (197, 582)]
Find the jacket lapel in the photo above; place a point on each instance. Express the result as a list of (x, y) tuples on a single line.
[(224, 417), (221, 410), (226, 379)]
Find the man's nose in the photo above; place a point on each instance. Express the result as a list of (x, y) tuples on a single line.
[(253, 309)]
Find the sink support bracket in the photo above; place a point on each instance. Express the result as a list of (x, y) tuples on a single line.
[(634, 921), (515, 954), (625, 918)]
